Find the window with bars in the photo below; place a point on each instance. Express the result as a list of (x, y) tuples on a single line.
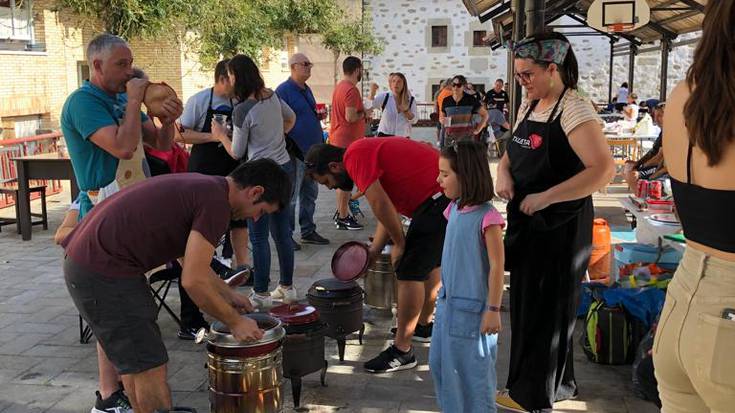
[(478, 38), (438, 36), (15, 20)]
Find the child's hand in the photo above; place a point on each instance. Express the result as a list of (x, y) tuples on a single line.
[(490, 323)]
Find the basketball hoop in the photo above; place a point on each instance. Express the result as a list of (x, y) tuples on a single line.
[(619, 27)]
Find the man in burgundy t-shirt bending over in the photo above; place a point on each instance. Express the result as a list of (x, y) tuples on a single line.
[(145, 226), (397, 176)]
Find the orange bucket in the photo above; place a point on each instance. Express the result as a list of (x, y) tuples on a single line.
[(599, 267)]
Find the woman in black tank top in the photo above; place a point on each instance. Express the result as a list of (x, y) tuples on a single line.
[(692, 352)]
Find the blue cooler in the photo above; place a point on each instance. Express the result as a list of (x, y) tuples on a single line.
[(632, 252)]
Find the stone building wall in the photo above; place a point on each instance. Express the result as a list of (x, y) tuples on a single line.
[(405, 26)]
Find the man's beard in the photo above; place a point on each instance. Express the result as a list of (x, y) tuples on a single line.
[(344, 182)]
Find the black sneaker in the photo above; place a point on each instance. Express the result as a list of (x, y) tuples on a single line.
[(314, 238), (422, 334), (296, 245), (189, 333), (391, 359), (117, 403), (348, 223)]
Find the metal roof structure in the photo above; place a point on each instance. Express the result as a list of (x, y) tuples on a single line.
[(669, 18)]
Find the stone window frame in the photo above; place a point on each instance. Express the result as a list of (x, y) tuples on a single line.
[(450, 33), (473, 50)]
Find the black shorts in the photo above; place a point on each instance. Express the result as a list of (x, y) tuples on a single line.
[(424, 241), (122, 315)]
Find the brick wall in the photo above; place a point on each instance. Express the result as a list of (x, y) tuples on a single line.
[(37, 83)]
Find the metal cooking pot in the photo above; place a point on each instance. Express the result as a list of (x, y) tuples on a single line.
[(245, 376)]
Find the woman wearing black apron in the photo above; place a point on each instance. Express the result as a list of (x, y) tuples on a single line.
[(211, 158), (556, 159)]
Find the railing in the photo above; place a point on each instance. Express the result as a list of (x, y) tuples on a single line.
[(423, 111), (32, 145)]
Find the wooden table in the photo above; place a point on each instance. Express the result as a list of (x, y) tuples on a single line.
[(43, 166)]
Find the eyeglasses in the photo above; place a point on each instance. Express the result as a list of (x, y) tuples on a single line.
[(524, 77), (305, 64), (457, 85)]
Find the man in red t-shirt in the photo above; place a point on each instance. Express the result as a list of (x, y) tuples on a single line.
[(147, 225), (397, 176), (347, 125)]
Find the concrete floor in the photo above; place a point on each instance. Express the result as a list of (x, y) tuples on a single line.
[(44, 368)]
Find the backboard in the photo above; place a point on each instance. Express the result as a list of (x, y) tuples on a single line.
[(618, 15)]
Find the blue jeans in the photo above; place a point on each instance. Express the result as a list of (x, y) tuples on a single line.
[(306, 191), (277, 225)]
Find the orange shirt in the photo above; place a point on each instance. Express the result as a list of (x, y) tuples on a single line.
[(440, 98), (341, 132)]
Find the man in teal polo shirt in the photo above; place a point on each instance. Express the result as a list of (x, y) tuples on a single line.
[(98, 134)]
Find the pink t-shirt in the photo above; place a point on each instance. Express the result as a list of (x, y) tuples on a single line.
[(492, 217)]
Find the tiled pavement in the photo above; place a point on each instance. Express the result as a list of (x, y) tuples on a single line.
[(44, 368)]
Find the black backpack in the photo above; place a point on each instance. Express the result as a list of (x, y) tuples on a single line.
[(607, 337)]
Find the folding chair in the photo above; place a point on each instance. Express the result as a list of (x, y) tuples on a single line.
[(165, 278)]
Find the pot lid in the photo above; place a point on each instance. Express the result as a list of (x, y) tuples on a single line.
[(219, 333), (332, 284), (295, 314), (350, 260)]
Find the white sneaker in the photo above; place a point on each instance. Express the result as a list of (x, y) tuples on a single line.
[(260, 301), (286, 294)]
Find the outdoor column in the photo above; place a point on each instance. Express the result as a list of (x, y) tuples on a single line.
[(535, 16), (610, 78), (665, 48), (631, 66), (514, 89)]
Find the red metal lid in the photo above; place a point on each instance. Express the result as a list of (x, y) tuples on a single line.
[(295, 314), (350, 261)]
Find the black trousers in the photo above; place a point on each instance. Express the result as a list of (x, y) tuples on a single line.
[(544, 292)]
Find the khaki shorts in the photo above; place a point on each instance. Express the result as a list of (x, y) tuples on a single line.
[(694, 347)]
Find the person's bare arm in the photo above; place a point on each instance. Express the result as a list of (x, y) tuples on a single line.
[(655, 160), (353, 115), (70, 221), (495, 278), (387, 215), (194, 137), (210, 293), (121, 141), (483, 119)]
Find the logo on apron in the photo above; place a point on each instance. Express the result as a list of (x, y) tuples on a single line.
[(534, 141)]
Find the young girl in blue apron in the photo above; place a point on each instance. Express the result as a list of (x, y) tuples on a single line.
[(467, 321), (555, 160)]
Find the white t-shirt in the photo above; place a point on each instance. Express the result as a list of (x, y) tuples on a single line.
[(622, 95), (392, 122)]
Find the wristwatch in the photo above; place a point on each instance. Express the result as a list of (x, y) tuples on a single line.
[(492, 308)]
